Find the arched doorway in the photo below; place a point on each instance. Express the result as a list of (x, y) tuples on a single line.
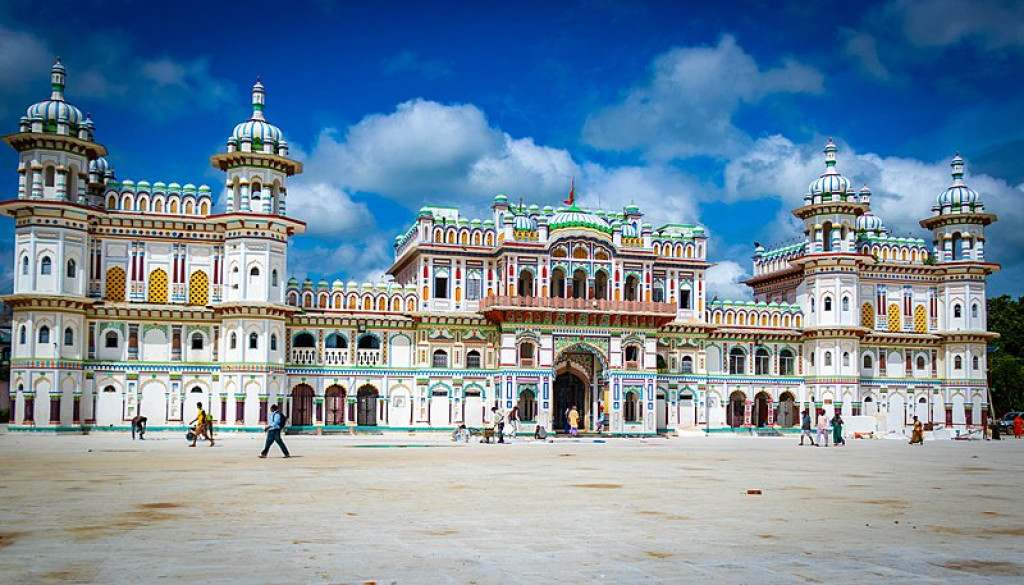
[(366, 407), (579, 284), (787, 416), (302, 406), (734, 415), (761, 405), (334, 401), (570, 390), (601, 285), (558, 283), (632, 288)]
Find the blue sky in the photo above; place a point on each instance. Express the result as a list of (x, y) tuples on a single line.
[(699, 113)]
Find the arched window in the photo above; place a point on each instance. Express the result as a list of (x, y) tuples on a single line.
[(254, 271), (525, 284), (868, 362), (846, 304), (786, 362), (44, 334), (69, 336), (233, 344), (737, 361), (197, 341), (687, 364), (761, 361), (974, 311), (526, 354), (828, 359), (958, 363), (254, 340), (110, 340), (827, 304), (811, 356), (21, 335), (24, 264), (812, 304), (306, 340), (440, 359), (273, 342), (473, 359), (273, 277), (333, 341), (975, 363), (527, 405), (71, 269), (956, 311), (46, 266), (846, 359), (632, 356), (50, 177), (920, 362), (368, 342)]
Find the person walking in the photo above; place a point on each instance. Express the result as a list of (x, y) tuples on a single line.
[(822, 428), (917, 436), (805, 429), (203, 427), (1018, 426), (568, 427), (273, 429), (139, 426), (837, 431), (574, 422), (513, 422)]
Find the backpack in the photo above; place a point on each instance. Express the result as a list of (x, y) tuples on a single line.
[(284, 419)]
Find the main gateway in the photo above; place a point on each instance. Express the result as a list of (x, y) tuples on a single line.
[(137, 297)]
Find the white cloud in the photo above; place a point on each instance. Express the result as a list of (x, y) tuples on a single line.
[(863, 47), (687, 106), (22, 56), (903, 189), (327, 210), (724, 280), (362, 260), (992, 24), (664, 194)]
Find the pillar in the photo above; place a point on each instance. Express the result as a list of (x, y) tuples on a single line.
[(243, 195), (37, 181), (748, 407)]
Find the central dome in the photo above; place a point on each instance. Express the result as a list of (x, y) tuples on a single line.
[(574, 217), (55, 109), (257, 130)]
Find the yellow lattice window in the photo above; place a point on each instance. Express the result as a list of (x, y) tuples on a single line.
[(867, 315), (115, 284), (894, 317), (157, 287), (920, 320), (199, 289)]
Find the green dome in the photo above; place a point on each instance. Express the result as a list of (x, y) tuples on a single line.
[(574, 217)]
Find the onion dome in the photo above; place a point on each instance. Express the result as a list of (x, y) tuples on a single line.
[(958, 193), (869, 222), (830, 182), (524, 223), (292, 282), (54, 110), (632, 209), (574, 217), (173, 187), (500, 199), (159, 187), (256, 129)]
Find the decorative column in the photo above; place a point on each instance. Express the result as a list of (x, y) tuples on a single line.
[(243, 195), (37, 180), (748, 407), (22, 182), (61, 183)]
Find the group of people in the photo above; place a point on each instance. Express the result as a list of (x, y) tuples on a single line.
[(822, 425), (204, 429)]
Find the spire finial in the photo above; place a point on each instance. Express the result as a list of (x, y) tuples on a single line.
[(830, 152), (957, 165), (57, 80), (258, 98)]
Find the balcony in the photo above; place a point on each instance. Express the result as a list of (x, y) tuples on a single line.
[(368, 357), (335, 357), (304, 356), (588, 305)]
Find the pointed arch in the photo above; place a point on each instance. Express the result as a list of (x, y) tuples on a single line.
[(115, 284), (157, 292), (198, 289)]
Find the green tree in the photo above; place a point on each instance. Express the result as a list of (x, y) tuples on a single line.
[(1006, 354)]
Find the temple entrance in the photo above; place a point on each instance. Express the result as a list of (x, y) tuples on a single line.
[(570, 390), (735, 413), (787, 416), (761, 406), (302, 406), (366, 407)]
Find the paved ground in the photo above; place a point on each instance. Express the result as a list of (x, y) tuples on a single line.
[(348, 510)]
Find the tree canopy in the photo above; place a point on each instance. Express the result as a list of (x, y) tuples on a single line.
[(1006, 354)]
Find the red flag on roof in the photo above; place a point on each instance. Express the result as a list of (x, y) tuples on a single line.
[(572, 192)]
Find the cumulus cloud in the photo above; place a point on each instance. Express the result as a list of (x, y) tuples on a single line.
[(327, 210), (725, 281), (903, 189), (425, 150), (992, 24), (686, 108), (663, 193), (362, 259)]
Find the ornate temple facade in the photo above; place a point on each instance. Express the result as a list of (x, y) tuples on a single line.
[(133, 297)]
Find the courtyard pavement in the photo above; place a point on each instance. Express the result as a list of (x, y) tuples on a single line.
[(416, 509)]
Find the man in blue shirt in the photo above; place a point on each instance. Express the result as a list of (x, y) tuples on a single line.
[(274, 432)]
